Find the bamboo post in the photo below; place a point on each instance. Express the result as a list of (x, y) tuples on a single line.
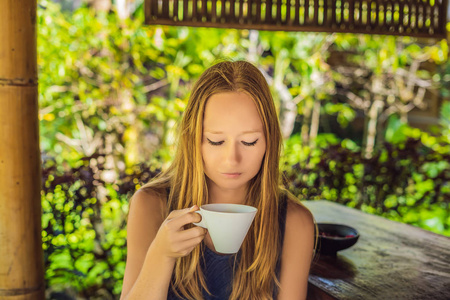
[(21, 256)]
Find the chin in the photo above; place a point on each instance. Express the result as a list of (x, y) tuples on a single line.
[(230, 184)]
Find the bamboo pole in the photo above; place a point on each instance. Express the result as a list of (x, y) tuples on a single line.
[(21, 257)]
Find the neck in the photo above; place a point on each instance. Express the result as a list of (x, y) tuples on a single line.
[(219, 195)]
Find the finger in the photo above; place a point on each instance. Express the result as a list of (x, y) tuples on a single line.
[(187, 246), (182, 220), (179, 212), (191, 233)]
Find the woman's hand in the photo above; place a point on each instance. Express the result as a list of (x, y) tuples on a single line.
[(172, 240)]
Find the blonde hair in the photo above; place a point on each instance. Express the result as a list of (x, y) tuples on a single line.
[(255, 273)]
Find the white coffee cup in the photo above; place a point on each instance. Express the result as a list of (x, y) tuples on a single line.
[(227, 224)]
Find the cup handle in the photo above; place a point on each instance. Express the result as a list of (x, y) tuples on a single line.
[(202, 223)]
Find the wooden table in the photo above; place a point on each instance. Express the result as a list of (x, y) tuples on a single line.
[(391, 260)]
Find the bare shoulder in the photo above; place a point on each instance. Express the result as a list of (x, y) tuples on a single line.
[(298, 250), (144, 219), (298, 216), (148, 202), (147, 212), (300, 227)]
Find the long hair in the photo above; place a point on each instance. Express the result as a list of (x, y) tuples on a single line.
[(255, 273)]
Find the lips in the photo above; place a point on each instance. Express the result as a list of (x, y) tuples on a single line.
[(231, 175)]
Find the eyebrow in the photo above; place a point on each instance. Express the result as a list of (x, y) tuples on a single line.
[(244, 132)]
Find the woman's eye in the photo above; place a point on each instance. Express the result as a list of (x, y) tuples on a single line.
[(250, 144), (221, 142), (214, 143)]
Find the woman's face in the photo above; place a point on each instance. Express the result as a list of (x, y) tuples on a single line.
[(233, 143)]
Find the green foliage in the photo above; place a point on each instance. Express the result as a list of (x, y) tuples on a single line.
[(407, 180), (112, 92), (381, 77), (105, 83), (84, 227)]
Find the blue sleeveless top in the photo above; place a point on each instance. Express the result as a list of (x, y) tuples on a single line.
[(218, 268)]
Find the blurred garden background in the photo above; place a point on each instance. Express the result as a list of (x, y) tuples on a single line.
[(366, 121)]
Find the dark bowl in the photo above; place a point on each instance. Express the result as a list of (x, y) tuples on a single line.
[(335, 237)]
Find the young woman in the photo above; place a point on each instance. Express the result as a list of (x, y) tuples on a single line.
[(228, 152)]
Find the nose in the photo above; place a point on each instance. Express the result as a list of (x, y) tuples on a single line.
[(232, 155)]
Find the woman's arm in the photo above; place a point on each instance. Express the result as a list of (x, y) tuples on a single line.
[(297, 254), (154, 244), (144, 219)]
